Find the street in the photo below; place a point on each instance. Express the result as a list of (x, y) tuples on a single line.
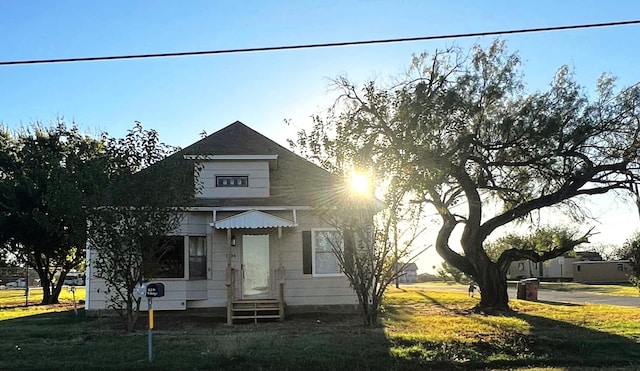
[(553, 296)]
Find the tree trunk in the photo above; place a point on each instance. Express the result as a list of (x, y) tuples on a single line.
[(46, 289), (55, 292), (50, 291), (492, 282)]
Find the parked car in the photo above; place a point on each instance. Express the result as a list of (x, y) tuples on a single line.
[(20, 282), (74, 279)]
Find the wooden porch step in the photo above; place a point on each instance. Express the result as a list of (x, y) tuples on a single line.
[(273, 316), (256, 309)]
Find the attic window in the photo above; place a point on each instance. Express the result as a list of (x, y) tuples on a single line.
[(232, 181)]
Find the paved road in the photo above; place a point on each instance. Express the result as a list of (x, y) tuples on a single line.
[(572, 297)]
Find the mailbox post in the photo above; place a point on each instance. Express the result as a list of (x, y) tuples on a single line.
[(153, 290)]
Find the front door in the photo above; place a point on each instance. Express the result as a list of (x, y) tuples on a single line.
[(255, 266)]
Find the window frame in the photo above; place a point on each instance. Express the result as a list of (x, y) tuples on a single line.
[(186, 254), (245, 178), (206, 258), (185, 259), (314, 269)]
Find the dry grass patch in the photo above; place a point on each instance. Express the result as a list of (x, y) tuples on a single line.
[(12, 303)]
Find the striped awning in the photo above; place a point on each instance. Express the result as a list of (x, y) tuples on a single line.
[(253, 219)]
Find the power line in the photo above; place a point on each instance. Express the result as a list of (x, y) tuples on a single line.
[(323, 45)]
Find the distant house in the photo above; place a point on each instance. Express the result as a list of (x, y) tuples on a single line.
[(408, 273), (554, 269), (251, 243), (613, 271)]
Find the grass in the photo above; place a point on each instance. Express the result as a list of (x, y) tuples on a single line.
[(422, 329), (12, 302)]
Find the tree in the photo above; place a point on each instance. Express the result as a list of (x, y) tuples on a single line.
[(460, 134), (631, 251), (127, 232), (449, 272), (368, 248), (47, 176)]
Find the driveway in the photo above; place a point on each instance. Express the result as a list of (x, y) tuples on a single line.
[(577, 297), (573, 297)]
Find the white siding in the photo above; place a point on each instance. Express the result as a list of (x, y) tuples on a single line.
[(177, 290), (257, 172), (304, 289), (299, 289), (194, 224)]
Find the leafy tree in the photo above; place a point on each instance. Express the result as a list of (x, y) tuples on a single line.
[(631, 251), (459, 133), (448, 272), (126, 233), (47, 176)]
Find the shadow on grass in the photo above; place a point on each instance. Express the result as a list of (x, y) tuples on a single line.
[(558, 303), (546, 343), (310, 342)]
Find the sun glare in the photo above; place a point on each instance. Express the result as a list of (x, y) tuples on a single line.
[(359, 183)]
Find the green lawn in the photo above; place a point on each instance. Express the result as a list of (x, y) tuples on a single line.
[(12, 302), (422, 329)]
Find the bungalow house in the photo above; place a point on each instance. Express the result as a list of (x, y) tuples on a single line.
[(408, 272), (251, 244)]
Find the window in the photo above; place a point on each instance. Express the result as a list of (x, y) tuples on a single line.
[(171, 257), (578, 268), (232, 181), (197, 258), (521, 266), (620, 267), (323, 242)]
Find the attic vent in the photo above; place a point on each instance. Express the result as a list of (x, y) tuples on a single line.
[(232, 181)]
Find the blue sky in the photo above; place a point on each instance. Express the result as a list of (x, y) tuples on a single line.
[(181, 97)]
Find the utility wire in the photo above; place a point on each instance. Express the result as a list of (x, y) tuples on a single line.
[(324, 45)]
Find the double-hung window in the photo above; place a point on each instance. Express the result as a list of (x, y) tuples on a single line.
[(172, 251), (325, 242), (197, 257), (171, 257)]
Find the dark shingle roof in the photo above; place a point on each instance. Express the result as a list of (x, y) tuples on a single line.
[(293, 182)]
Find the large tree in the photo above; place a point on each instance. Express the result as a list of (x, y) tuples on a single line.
[(127, 231), (47, 177), (460, 132)]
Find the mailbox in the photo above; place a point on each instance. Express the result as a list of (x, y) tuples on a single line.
[(155, 290)]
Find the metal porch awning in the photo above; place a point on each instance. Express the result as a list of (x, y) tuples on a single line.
[(253, 219)]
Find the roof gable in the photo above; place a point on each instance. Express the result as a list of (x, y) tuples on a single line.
[(294, 181)]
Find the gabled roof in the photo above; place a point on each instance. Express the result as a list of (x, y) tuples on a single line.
[(408, 267), (293, 182), (253, 219)]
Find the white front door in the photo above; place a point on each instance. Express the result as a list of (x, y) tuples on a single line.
[(255, 266)]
